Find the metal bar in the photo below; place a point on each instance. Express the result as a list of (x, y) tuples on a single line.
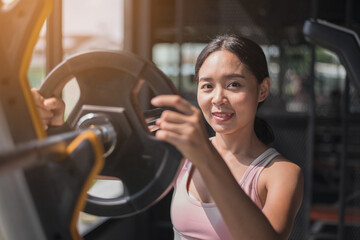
[(310, 143), (137, 36), (128, 25), (35, 151), (143, 29), (343, 159), (179, 22), (314, 9), (345, 129), (52, 148), (156, 112), (283, 65), (311, 129), (54, 47), (349, 13)]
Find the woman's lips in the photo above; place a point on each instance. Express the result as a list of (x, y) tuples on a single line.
[(222, 116)]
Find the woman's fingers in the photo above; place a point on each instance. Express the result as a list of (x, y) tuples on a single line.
[(183, 129), (172, 116), (171, 137), (38, 99), (45, 116), (184, 125), (52, 103), (51, 110), (174, 101), (57, 107), (177, 122), (177, 127)]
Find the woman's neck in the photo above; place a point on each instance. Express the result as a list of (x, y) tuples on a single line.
[(239, 144)]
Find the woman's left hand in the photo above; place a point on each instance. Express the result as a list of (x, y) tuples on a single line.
[(184, 129)]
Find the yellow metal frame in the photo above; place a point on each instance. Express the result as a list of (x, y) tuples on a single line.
[(25, 55), (98, 165), (24, 68)]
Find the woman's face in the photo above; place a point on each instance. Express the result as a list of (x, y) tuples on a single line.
[(228, 93)]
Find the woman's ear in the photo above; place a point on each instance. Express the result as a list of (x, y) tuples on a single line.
[(264, 89)]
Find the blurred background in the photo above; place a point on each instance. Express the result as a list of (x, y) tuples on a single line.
[(313, 108)]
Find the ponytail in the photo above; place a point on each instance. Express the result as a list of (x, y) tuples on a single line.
[(263, 131)]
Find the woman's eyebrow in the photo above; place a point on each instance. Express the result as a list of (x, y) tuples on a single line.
[(208, 79), (227, 76), (234, 75)]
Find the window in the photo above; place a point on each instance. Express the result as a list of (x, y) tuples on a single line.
[(166, 57), (92, 24), (37, 68)]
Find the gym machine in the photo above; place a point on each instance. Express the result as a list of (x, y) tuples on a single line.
[(45, 176), (342, 41), (346, 44)]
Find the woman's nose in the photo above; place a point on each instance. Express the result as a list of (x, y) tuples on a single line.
[(219, 97)]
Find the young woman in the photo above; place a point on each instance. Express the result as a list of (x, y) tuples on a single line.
[(233, 186)]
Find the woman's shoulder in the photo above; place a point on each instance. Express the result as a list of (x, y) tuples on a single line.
[(282, 169), (283, 180)]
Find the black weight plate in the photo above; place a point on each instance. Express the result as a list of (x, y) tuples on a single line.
[(146, 166)]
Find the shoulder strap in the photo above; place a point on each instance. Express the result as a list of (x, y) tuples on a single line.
[(260, 162)]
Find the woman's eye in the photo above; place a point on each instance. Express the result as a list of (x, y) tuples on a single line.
[(234, 84), (206, 86)]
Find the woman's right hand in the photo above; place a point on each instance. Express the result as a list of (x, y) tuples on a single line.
[(51, 110)]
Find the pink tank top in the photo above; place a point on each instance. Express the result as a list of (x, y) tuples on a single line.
[(193, 219)]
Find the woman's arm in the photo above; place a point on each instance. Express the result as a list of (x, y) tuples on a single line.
[(284, 183), (244, 219)]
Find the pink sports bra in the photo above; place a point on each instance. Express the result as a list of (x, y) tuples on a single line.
[(193, 219)]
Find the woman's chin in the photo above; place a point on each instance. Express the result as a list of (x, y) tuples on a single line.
[(222, 129)]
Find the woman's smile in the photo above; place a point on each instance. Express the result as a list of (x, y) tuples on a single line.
[(222, 116)]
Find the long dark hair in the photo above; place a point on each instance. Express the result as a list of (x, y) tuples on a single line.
[(250, 54)]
